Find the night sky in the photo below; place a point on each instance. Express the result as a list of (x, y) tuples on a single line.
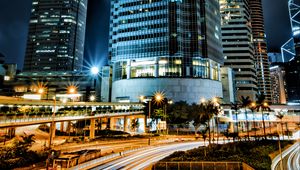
[(15, 14)]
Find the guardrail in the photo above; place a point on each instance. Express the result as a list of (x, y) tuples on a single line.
[(100, 160), (200, 165), (41, 119), (277, 159)]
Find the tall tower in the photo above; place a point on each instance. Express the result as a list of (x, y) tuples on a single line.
[(238, 45), (260, 49), (171, 46), (292, 67), (56, 36)]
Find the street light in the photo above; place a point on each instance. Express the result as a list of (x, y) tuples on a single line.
[(92, 98), (72, 89), (95, 71), (41, 90)]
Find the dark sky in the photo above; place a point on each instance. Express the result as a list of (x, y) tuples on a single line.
[(14, 21)]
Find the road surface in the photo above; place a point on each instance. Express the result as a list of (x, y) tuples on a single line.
[(144, 158), (290, 159)]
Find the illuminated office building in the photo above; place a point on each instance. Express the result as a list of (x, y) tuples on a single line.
[(172, 46), (238, 45), (56, 36), (292, 67), (260, 49)]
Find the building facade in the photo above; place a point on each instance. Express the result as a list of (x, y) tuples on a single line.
[(172, 46), (238, 45), (260, 49), (278, 84), (292, 67), (56, 36)]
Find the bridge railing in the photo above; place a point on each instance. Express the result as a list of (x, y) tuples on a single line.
[(200, 166), (7, 120)]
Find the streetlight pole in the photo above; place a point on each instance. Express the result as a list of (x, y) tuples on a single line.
[(95, 72), (52, 126)]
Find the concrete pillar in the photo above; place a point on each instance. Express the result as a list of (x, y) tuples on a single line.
[(52, 133), (125, 124), (92, 128), (62, 126), (112, 123), (128, 69), (68, 130), (11, 132), (156, 67)]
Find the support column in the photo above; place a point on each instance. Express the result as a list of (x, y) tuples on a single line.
[(52, 133), (68, 130), (128, 69), (62, 126), (156, 67), (92, 128), (112, 123), (11, 132), (125, 124)]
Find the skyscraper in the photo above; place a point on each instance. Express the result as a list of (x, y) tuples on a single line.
[(292, 67), (260, 49), (172, 46), (56, 36), (238, 45)]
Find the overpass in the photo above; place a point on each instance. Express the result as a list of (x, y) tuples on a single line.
[(16, 112)]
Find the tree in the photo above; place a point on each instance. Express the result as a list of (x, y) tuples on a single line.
[(280, 116), (179, 113), (23, 145), (262, 105), (134, 124), (203, 114), (236, 107), (245, 104)]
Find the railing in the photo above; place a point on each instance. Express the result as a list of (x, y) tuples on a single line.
[(200, 166), (28, 120), (98, 161)]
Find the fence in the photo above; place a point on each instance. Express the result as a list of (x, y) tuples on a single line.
[(201, 166)]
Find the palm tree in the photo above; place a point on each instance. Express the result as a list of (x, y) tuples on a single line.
[(253, 108), (262, 105), (280, 116), (236, 107), (245, 104)]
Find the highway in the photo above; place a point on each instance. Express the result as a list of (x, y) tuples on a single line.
[(143, 158), (290, 159)]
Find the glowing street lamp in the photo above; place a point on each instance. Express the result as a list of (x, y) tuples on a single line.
[(94, 70), (72, 89), (92, 98), (41, 90)]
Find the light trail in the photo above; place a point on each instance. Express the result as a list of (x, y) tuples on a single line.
[(144, 158)]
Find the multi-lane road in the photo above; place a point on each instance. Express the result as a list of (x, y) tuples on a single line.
[(143, 158), (290, 159)]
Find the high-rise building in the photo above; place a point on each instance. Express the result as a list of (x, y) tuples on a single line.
[(292, 67), (278, 84), (56, 36), (260, 49), (172, 46), (238, 45)]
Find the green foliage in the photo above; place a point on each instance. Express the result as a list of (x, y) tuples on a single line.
[(19, 154), (255, 154), (178, 113)]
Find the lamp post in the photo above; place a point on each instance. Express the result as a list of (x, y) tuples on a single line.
[(253, 106), (95, 71), (52, 126)]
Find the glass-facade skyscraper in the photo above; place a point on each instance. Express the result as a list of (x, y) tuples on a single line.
[(56, 36), (238, 45), (292, 67), (172, 46), (260, 49)]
